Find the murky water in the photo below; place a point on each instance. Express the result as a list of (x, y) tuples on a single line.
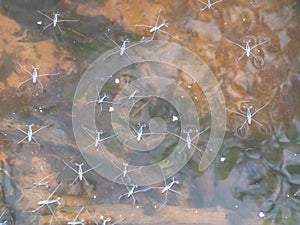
[(254, 178)]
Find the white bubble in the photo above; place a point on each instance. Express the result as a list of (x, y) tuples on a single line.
[(261, 214), (175, 118)]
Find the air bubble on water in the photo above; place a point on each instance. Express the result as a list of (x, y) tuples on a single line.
[(175, 118), (261, 214)]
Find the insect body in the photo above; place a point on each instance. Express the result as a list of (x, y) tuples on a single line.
[(55, 21), (209, 5), (34, 75)]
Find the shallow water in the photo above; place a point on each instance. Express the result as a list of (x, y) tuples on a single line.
[(254, 179)]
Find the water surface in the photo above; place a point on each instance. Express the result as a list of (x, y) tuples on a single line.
[(255, 177)]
